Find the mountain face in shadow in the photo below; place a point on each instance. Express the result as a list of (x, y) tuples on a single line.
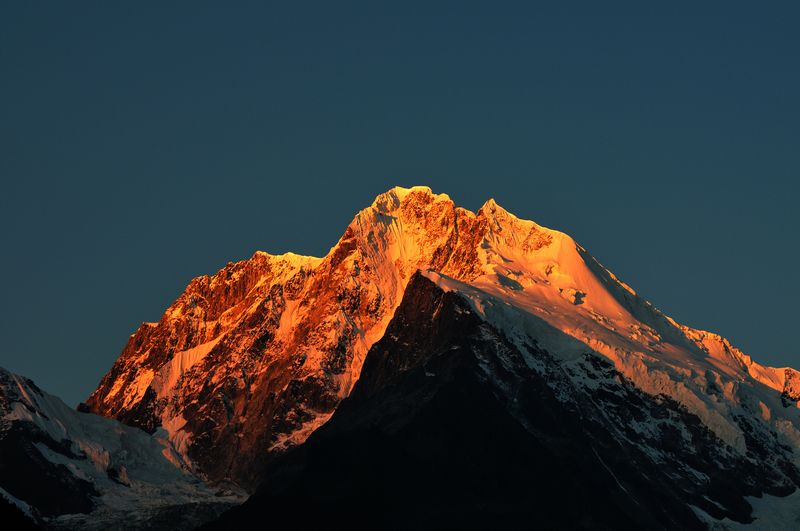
[(450, 428), (64, 469)]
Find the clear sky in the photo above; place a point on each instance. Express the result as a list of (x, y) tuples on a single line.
[(143, 146)]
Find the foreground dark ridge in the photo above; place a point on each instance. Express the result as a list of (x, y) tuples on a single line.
[(450, 427)]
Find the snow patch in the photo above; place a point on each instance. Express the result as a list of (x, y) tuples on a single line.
[(171, 372)]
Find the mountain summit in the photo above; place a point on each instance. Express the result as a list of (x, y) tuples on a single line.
[(249, 362)]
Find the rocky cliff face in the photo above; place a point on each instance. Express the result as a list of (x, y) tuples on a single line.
[(252, 359), (249, 362)]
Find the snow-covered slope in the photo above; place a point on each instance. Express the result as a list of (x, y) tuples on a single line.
[(77, 470), (249, 362), (557, 294)]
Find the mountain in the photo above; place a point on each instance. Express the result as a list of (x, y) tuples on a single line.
[(257, 356), (458, 368), (63, 469)]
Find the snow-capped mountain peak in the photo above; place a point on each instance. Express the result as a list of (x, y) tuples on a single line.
[(250, 361)]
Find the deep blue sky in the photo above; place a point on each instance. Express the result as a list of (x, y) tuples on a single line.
[(140, 147)]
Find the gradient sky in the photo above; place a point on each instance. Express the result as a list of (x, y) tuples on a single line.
[(143, 146)]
